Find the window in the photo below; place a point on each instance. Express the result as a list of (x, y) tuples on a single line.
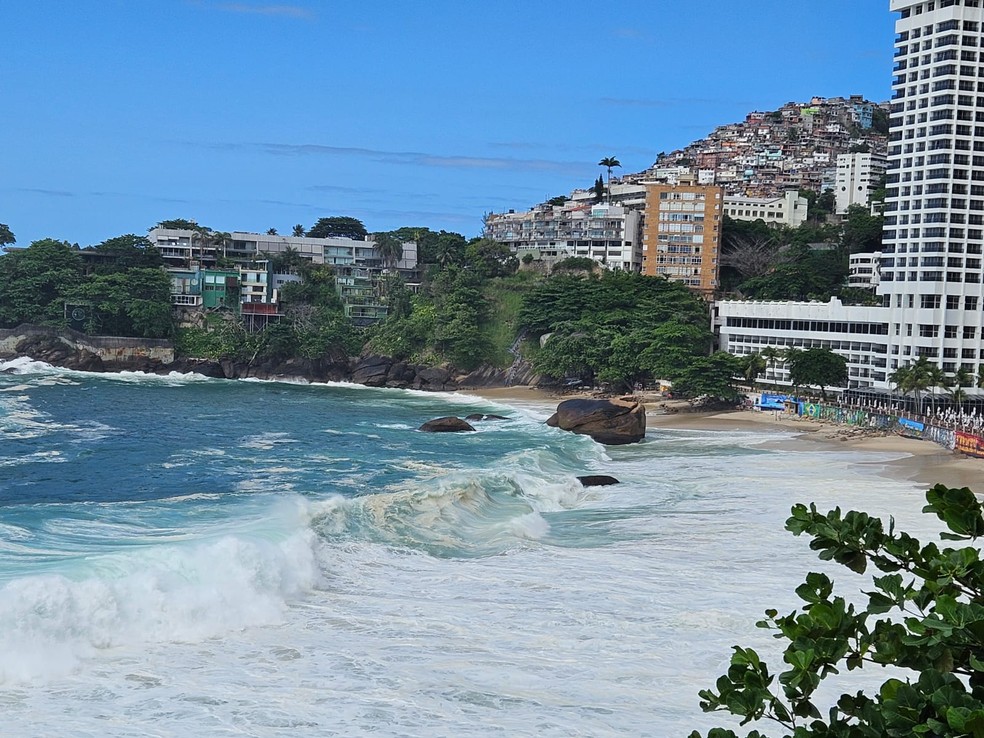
[(970, 302), (926, 301), (952, 302)]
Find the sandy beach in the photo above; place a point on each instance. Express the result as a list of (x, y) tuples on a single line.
[(921, 462)]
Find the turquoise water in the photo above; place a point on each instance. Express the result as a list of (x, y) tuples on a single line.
[(186, 556)]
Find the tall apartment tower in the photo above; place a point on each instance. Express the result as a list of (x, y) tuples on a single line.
[(858, 175), (934, 211), (682, 234)]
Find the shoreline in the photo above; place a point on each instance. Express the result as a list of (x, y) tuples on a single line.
[(923, 463)]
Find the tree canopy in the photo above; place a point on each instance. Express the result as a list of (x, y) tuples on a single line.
[(339, 226), (818, 367), (6, 235), (37, 281), (619, 328), (924, 615)]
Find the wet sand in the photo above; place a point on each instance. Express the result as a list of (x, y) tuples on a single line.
[(922, 462)]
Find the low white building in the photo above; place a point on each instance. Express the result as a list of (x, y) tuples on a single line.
[(859, 334), (789, 210)]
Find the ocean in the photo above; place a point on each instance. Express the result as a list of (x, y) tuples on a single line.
[(182, 556)]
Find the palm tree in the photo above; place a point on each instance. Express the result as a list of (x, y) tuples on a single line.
[(771, 355), (609, 162), (754, 365), (298, 231), (922, 378), (937, 380), (390, 248), (902, 379), (788, 355)]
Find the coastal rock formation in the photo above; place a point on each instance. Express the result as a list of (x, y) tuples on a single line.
[(73, 350), (59, 352), (450, 424), (597, 480), (612, 422), (384, 371)]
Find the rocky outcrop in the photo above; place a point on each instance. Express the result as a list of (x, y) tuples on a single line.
[(59, 352), (597, 480), (450, 424), (612, 422), (73, 350), (384, 371)]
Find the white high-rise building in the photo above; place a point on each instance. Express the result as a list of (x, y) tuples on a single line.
[(934, 211)]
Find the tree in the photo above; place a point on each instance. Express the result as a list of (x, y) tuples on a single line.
[(488, 258), (820, 367), (129, 252), (271, 231), (179, 224), (609, 162), (36, 282), (771, 355), (6, 235), (135, 302), (338, 227), (298, 231), (752, 366), (925, 617), (862, 231), (599, 189), (709, 377), (390, 248)]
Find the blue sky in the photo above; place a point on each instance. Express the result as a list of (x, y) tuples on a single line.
[(253, 115)]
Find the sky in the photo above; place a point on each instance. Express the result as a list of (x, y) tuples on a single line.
[(250, 115)]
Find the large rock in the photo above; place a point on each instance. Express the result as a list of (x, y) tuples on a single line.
[(372, 370), (597, 480), (612, 422), (449, 424)]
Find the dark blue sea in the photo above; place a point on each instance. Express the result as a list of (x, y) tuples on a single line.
[(182, 556)]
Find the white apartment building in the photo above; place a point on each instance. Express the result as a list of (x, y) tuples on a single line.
[(931, 264), (789, 210), (181, 247), (857, 176), (864, 270), (609, 234)]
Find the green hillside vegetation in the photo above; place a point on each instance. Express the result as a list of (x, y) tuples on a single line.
[(622, 329), (765, 262), (122, 292)]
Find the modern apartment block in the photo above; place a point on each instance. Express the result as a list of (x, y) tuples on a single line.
[(858, 175), (609, 234), (682, 234)]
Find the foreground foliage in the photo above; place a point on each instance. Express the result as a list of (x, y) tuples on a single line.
[(925, 616)]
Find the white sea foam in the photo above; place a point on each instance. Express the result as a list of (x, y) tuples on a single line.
[(164, 593)]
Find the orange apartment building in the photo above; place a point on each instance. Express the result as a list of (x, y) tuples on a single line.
[(682, 234)]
